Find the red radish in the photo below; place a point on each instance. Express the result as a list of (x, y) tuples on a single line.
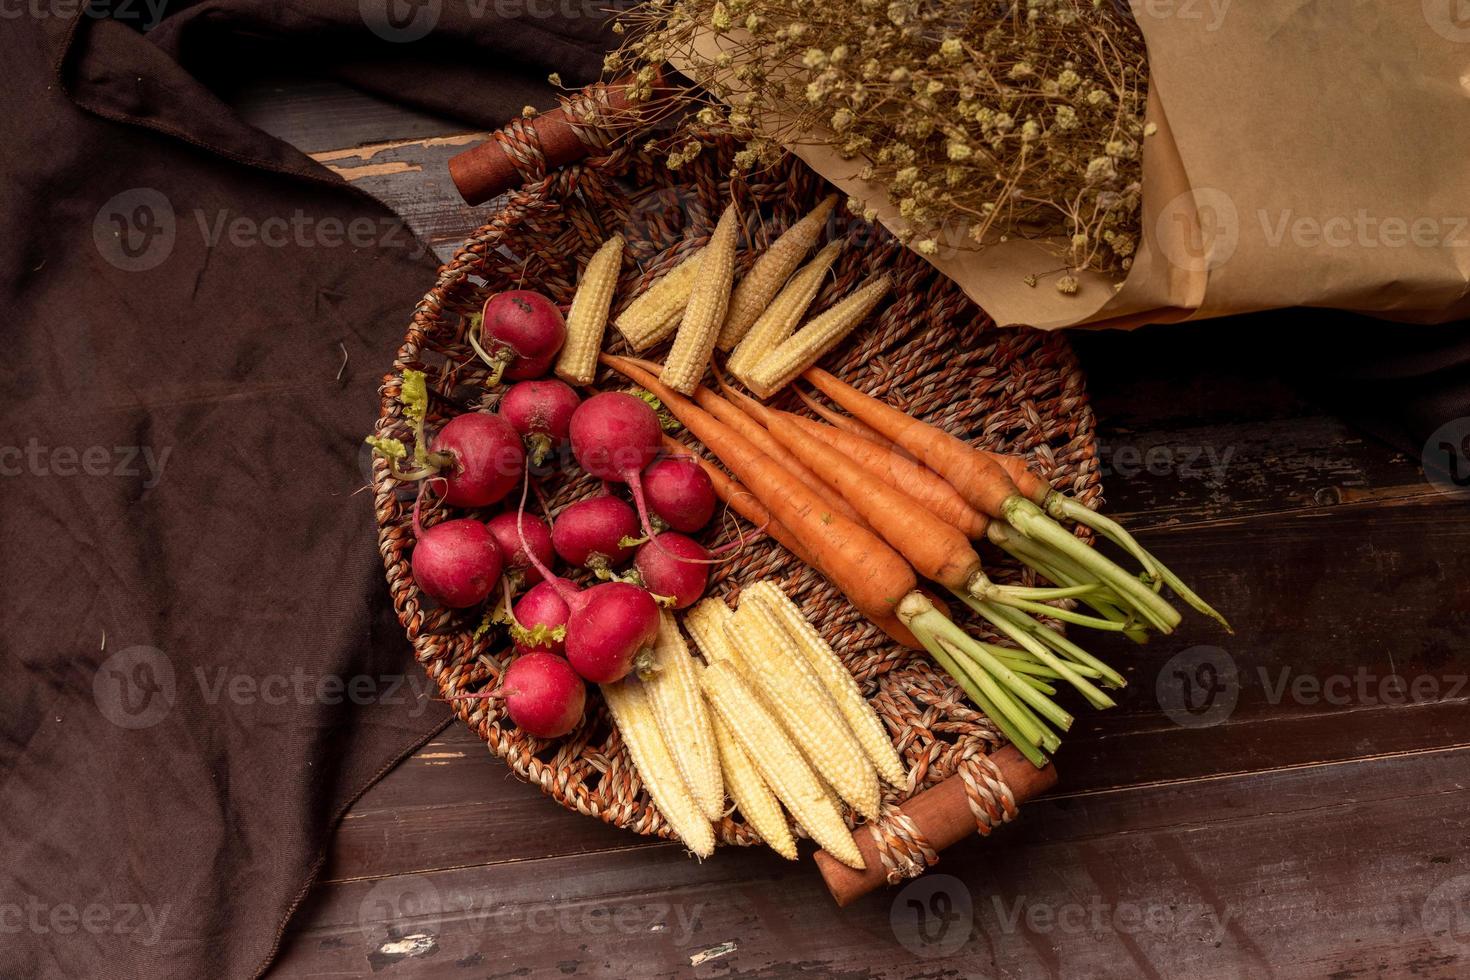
[(456, 563), (610, 625), (589, 533), (664, 574), (679, 491), (614, 436), (521, 332), (487, 459), (543, 695), (540, 617), (508, 536), (541, 411)]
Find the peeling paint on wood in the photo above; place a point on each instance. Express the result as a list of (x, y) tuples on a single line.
[(713, 953)]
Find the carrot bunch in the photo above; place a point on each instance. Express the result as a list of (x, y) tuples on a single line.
[(878, 501)]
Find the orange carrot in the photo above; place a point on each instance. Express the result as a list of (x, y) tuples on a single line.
[(746, 504), (988, 488), (741, 500), (1033, 486), (977, 477), (764, 441), (873, 576), (844, 422), (935, 549), (901, 473)]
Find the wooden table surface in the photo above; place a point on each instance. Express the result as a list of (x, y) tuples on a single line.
[(1292, 800)]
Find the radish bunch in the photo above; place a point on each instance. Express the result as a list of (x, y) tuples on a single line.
[(563, 634)]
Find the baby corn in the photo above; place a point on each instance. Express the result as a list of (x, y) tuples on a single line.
[(804, 706), (656, 313), (805, 347), (708, 301), (757, 803), (864, 722), (780, 318), (633, 715), (765, 742), (683, 721), (770, 272), (706, 622), (587, 319)]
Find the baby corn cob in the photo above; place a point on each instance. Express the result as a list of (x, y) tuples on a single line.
[(706, 622), (779, 762), (804, 706), (856, 711), (770, 272), (632, 713), (679, 708), (779, 320), (757, 803), (587, 319), (656, 313), (805, 347), (708, 300)]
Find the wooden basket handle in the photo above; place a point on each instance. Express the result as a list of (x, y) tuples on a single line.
[(525, 150), (983, 794)]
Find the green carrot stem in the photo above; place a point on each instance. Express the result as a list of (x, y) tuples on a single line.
[(1049, 563), (999, 696), (1102, 601), (1049, 741), (972, 690), (1037, 684), (1048, 594), (1023, 663), (982, 588), (1029, 519), (1115, 532), (1064, 615), (1095, 696), (1064, 508), (1081, 660), (960, 642)]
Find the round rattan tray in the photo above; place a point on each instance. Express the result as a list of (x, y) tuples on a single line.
[(928, 350)]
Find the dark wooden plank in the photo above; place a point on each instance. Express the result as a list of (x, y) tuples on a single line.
[(1345, 870), (1349, 625), (316, 114), (452, 805)]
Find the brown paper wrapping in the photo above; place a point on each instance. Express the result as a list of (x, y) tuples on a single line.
[(1308, 153)]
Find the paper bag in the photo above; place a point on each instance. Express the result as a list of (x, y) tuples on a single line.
[(1308, 153)]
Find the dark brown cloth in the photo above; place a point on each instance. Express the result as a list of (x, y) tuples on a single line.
[(201, 667)]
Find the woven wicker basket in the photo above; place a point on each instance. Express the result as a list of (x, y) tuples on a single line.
[(928, 350)]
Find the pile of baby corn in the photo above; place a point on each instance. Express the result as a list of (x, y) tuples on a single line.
[(698, 302), (769, 715)]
